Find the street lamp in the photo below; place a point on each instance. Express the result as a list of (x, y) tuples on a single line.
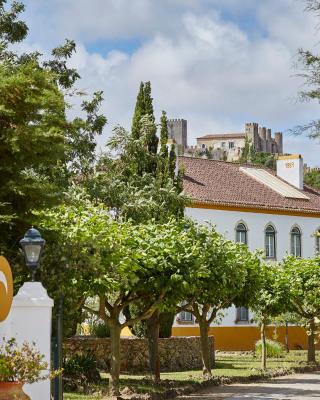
[(32, 246)]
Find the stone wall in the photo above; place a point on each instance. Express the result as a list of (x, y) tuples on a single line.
[(176, 353)]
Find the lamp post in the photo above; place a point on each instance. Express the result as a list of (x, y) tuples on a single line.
[(32, 246)]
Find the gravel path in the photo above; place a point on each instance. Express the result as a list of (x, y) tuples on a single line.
[(293, 387)]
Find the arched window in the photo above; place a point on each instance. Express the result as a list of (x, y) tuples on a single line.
[(296, 242), (270, 240), (318, 241), (241, 233)]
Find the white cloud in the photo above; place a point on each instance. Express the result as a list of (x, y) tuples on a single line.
[(202, 67)]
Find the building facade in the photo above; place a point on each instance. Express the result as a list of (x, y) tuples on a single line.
[(273, 212), (231, 145)]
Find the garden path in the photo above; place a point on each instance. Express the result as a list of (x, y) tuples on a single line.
[(292, 387)]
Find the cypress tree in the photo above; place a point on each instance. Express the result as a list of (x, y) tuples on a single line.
[(172, 162), (163, 156), (148, 109), (139, 111)]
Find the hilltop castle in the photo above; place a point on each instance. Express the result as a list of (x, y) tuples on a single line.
[(226, 146)]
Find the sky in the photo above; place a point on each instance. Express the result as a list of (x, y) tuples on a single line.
[(215, 63)]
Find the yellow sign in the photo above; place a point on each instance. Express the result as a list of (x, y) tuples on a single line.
[(6, 288)]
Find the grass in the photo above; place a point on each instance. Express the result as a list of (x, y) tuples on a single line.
[(227, 364)]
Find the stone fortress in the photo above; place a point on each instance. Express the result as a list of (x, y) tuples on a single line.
[(225, 146)]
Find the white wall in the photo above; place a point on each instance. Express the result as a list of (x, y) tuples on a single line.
[(226, 221)]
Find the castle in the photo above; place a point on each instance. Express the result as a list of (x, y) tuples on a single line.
[(226, 146)]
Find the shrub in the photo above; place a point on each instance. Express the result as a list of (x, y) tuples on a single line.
[(99, 329), (80, 373), (21, 363), (274, 349)]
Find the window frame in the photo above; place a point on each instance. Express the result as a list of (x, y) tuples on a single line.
[(183, 319), (295, 234), (245, 231), (317, 242), (267, 241), (239, 314)]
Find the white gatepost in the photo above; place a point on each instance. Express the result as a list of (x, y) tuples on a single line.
[(30, 320)]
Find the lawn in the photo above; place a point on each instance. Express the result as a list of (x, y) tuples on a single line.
[(227, 364)]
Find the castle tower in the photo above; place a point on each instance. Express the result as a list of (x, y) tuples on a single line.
[(252, 134), (263, 133), (178, 131), (279, 141)]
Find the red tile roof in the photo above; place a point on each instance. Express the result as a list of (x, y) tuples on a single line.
[(224, 184), (223, 136)]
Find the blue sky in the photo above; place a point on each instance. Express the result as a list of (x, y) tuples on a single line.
[(216, 63)]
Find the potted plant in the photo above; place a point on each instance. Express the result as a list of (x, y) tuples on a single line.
[(20, 365)]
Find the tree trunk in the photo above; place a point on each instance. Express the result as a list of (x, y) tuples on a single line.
[(311, 342), (263, 345), (286, 338), (153, 324), (115, 330), (205, 349)]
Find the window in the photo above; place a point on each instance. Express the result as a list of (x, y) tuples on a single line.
[(203, 146), (241, 233), (242, 314), (231, 145), (185, 316), (318, 241), (270, 242), (223, 144), (296, 242)]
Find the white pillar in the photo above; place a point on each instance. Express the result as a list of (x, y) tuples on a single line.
[(31, 321)]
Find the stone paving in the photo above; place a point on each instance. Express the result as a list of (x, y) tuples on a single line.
[(292, 387)]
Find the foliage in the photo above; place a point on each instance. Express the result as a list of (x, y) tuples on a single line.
[(249, 154), (21, 363), (166, 321), (309, 66), (99, 329), (80, 373), (140, 329), (227, 274), (271, 298), (122, 263), (43, 149), (302, 278), (303, 283), (312, 178), (274, 349)]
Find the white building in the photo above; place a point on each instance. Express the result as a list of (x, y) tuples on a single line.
[(250, 204)]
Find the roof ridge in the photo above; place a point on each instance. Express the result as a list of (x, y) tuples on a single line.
[(247, 164)]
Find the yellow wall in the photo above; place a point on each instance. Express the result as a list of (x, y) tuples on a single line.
[(244, 337)]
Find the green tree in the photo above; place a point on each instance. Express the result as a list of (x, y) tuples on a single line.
[(309, 66), (126, 264), (42, 149), (312, 178), (285, 319), (270, 300), (302, 277), (227, 274), (144, 110)]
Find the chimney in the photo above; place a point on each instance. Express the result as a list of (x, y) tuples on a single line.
[(290, 169)]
